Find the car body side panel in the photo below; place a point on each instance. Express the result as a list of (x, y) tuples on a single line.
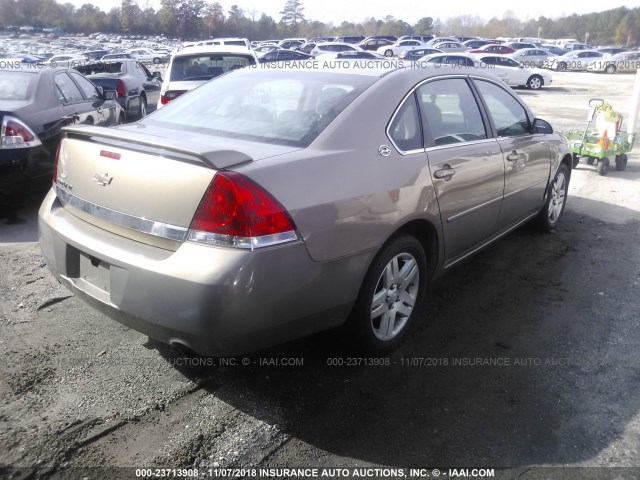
[(525, 178), (470, 199)]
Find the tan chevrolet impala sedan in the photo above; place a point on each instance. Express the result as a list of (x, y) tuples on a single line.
[(269, 204)]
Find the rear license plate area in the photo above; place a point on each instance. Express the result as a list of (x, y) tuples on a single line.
[(94, 271)]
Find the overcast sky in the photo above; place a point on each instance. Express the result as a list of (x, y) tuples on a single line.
[(411, 11)]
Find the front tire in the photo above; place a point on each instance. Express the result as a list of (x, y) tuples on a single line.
[(390, 296), (610, 69), (388, 53), (553, 209), (535, 82), (603, 166), (562, 66)]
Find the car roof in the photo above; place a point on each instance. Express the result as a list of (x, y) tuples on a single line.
[(213, 49)]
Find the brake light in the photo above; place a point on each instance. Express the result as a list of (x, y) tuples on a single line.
[(121, 90), (170, 95), (16, 134), (236, 212)]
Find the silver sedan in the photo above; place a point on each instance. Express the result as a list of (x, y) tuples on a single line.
[(271, 204)]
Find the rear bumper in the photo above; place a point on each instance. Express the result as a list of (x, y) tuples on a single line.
[(215, 301)]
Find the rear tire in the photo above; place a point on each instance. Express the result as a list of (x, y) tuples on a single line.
[(610, 69), (621, 162), (390, 296), (562, 66), (603, 166), (388, 53), (142, 108), (553, 209)]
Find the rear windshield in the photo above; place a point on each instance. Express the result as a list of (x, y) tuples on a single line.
[(111, 68), (280, 107), (16, 85), (206, 66)]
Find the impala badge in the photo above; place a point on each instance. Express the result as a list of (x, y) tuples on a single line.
[(102, 178)]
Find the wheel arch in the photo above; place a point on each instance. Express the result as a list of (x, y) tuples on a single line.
[(426, 233)]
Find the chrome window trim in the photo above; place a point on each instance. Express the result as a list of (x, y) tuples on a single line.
[(143, 225), (470, 142), (411, 92)]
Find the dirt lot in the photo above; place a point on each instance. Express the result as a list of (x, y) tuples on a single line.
[(557, 315)]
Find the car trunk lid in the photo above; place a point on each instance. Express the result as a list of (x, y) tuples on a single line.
[(144, 183)]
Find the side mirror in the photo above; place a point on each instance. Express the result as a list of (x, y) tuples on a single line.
[(100, 91), (110, 95), (157, 75), (541, 126)]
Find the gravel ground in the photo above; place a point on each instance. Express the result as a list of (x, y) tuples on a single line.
[(556, 314)]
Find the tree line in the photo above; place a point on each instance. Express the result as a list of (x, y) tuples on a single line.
[(196, 19)]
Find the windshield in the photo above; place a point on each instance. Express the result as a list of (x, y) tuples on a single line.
[(206, 66), (281, 107), (16, 85)]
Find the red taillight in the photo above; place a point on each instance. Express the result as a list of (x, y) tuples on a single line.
[(121, 90), (15, 129), (170, 95), (236, 212), (16, 134)]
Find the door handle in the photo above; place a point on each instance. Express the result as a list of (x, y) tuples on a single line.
[(513, 156), (99, 110), (446, 172)]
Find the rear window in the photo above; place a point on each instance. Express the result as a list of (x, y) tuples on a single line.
[(111, 68), (16, 85), (280, 107), (206, 66)]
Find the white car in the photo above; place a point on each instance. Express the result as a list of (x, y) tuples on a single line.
[(193, 66), (148, 55), (332, 48), (67, 60), (398, 47), (533, 57), (450, 46), (501, 66), (513, 73), (620, 62), (576, 60)]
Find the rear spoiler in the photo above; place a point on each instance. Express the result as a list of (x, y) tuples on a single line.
[(151, 144)]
